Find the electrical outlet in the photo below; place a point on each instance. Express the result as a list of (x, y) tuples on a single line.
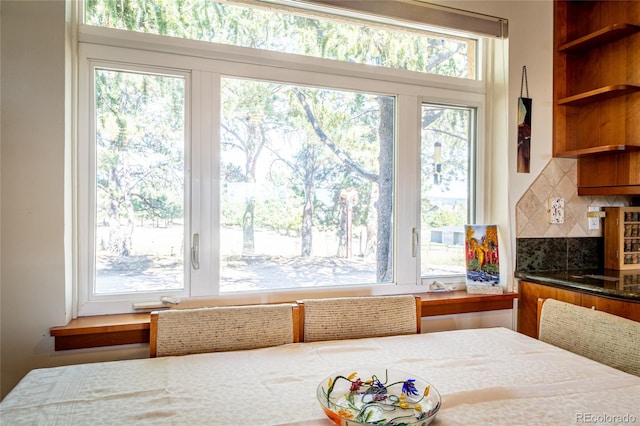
[(594, 222), (556, 210)]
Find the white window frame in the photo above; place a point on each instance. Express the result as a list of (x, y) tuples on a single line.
[(476, 172), (203, 63)]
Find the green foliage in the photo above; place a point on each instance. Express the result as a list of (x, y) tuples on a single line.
[(139, 148), (237, 24), (268, 141), (473, 265), (441, 217), (491, 268)]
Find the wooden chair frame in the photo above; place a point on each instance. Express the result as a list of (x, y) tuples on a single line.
[(538, 313)]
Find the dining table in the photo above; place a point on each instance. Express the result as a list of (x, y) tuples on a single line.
[(485, 376)]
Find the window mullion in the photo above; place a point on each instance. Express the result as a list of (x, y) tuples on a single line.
[(407, 208), (205, 178)]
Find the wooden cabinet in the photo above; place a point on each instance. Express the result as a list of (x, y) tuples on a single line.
[(622, 238), (528, 304), (597, 93)]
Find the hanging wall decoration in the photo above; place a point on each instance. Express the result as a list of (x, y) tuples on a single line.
[(524, 125)]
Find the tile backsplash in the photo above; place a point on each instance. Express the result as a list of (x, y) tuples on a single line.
[(559, 180), (559, 254), (545, 246)]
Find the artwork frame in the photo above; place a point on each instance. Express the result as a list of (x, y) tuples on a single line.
[(482, 259), (525, 106)]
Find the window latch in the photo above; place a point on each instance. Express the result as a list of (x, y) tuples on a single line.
[(415, 242)]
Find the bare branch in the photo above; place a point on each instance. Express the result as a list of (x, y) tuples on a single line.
[(343, 156)]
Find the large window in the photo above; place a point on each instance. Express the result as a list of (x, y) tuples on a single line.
[(306, 186), (216, 170)]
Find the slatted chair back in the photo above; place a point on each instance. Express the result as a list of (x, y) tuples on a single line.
[(603, 337), (217, 329), (359, 317)]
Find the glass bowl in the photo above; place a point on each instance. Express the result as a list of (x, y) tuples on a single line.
[(378, 396)]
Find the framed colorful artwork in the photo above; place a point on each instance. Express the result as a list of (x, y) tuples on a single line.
[(482, 256)]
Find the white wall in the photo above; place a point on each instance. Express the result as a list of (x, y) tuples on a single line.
[(33, 249), (530, 44), (35, 140), (32, 185)]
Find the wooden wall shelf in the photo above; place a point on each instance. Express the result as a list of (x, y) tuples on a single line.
[(596, 92), (599, 38), (597, 150), (600, 94)]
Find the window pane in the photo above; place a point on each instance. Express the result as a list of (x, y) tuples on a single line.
[(301, 33), (445, 183), (307, 178), (139, 222)]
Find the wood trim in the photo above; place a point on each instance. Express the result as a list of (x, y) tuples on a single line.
[(418, 314), (538, 314), (296, 323), (103, 324), (459, 302), (528, 302), (121, 329), (96, 340), (153, 335), (300, 304), (609, 190)]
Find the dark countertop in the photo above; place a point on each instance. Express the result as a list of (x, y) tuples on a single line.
[(622, 285)]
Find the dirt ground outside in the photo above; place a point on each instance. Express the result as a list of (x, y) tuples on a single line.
[(156, 263)]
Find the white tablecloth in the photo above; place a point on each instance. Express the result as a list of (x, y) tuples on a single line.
[(486, 377)]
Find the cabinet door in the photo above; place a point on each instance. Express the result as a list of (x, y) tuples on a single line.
[(622, 238), (622, 309), (610, 174), (528, 304)]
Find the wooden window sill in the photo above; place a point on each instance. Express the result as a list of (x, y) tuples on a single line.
[(123, 329), (102, 330), (460, 302)]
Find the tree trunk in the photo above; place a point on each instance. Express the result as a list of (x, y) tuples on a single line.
[(128, 231), (253, 148), (119, 237), (309, 199), (372, 222), (384, 270), (248, 240)]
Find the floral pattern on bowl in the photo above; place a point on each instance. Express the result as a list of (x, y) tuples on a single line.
[(384, 397)]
